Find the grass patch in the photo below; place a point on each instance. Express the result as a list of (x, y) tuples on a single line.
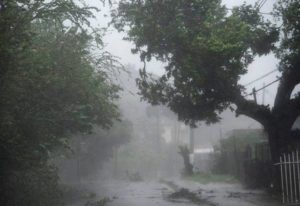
[(205, 178)]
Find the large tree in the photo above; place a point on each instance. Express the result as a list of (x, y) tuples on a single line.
[(207, 48), (53, 84)]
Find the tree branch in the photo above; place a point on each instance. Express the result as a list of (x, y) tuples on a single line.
[(260, 113), (286, 109), (292, 110), (289, 80)]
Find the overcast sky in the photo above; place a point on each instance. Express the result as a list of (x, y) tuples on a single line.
[(118, 47)]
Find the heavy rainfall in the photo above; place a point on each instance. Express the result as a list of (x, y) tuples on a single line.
[(149, 102)]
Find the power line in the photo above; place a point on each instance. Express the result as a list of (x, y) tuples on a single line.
[(263, 87), (231, 9), (259, 78), (261, 4), (264, 13)]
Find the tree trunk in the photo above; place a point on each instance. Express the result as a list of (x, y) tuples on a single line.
[(185, 153), (278, 137)]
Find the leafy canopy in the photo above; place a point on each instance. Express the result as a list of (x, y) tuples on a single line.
[(206, 47), (52, 85)]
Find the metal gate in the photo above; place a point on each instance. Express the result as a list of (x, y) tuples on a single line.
[(290, 178)]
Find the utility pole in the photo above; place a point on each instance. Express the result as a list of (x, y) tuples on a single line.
[(175, 138), (158, 141), (115, 162), (158, 136), (192, 140), (221, 132), (254, 94), (78, 150), (263, 94)]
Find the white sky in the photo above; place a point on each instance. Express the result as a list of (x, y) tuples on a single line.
[(121, 48)]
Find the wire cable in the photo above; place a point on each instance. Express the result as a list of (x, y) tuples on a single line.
[(264, 13), (261, 4), (263, 87), (259, 78)]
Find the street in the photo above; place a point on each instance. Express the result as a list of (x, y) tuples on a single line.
[(149, 193)]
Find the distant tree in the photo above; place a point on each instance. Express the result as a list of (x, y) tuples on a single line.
[(207, 49), (52, 85), (185, 154), (92, 150)]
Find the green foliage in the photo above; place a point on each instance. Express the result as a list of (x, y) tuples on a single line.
[(206, 50), (51, 86), (148, 151), (89, 152), (244, 155), (31, 186), (240, 139), (139, 158), (288, 52)]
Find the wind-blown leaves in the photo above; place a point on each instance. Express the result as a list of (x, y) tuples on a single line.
[(206, 50), (52, 86)]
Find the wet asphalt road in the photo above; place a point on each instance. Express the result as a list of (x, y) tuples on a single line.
[(142, 194), (123, 193)]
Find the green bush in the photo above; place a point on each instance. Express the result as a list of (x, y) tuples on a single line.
[(32, 186)]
